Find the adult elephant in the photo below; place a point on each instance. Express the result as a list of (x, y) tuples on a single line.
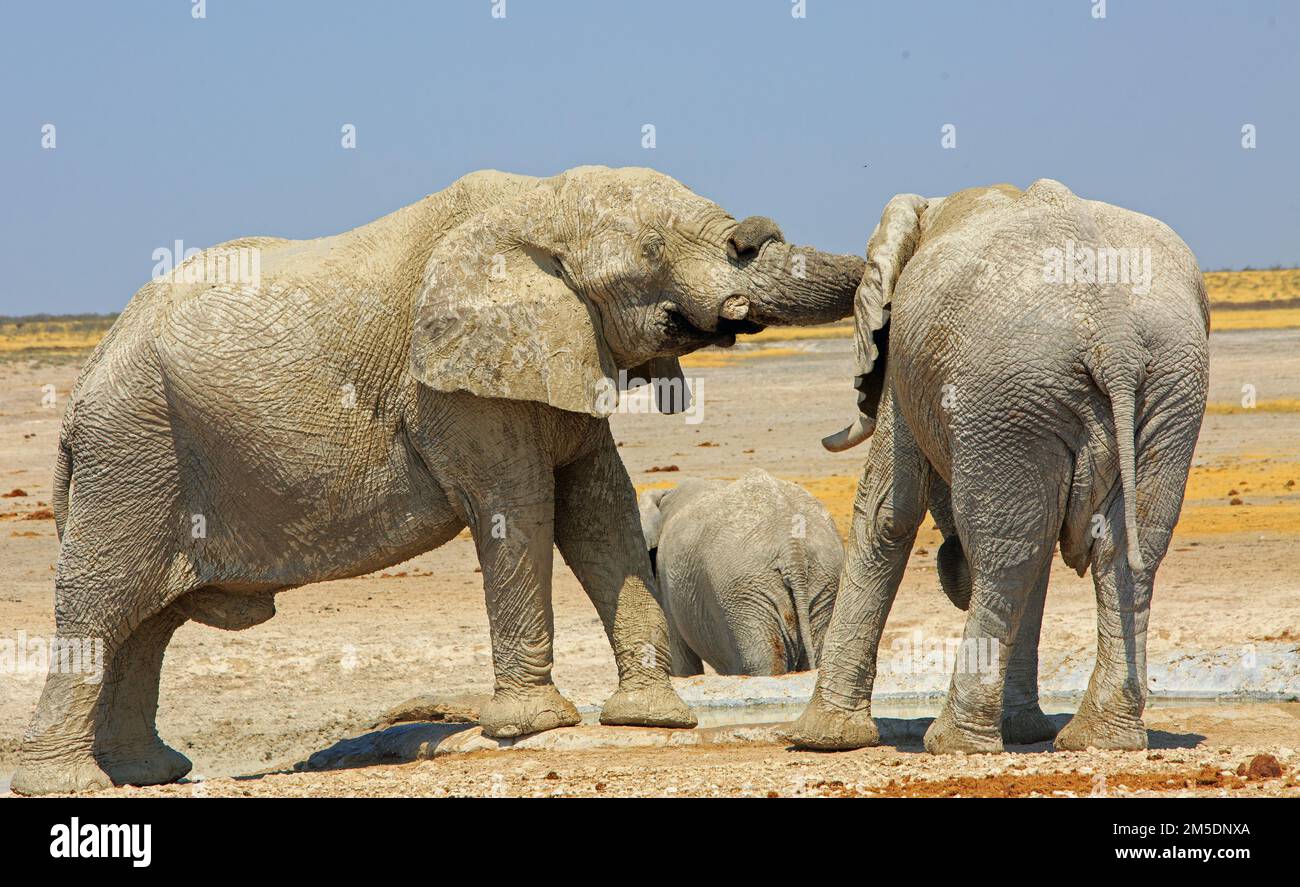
[(1034, 368), (746, 570), (364, 398)]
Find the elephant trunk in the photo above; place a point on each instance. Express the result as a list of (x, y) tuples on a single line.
[(794, 286)]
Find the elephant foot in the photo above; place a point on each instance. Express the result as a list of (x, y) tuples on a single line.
[(947, 737), (518, 712), (651, 705), (1027, 726), (822, 728), (1088, 730), (150, 762), (63, 774)]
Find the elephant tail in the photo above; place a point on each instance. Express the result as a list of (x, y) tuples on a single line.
[(1116, 369), (794, 574), (62, 480), (1123, 406)]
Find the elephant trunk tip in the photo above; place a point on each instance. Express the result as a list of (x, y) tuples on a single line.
[(749, 237)]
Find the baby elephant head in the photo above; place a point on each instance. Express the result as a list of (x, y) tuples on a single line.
[(548, 294)]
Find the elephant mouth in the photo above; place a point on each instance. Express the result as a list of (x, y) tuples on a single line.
[(678, 328)]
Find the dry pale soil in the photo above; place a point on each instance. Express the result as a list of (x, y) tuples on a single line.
[(246, 706)]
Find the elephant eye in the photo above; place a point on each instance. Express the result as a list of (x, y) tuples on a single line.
[(653, 247)]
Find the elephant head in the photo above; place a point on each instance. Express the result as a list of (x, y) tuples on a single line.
[(549, 295)]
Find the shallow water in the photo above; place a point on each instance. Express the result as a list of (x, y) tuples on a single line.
[(903, 709)]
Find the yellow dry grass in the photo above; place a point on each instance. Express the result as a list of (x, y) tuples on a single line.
[(1245, 477), (1224, 320), (836, 492), (1238, 287), (1281, 405), (721, 357), (839, 330), (51, 335), (1200, 520)]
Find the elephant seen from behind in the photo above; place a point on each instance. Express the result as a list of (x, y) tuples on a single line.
[(1032, 368), (747, 572)]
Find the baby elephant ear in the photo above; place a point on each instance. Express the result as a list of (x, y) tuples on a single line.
[(494, 317)]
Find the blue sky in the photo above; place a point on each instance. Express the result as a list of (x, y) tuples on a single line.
[(203, 130)]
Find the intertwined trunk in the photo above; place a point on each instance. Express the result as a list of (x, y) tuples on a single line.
[(799, 286)]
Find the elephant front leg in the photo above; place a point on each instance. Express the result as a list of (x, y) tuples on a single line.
[(598, 531), (888, 510), (514, 543)]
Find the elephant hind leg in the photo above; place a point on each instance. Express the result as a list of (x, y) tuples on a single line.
[(114, 612), (1009, 541), (1110, 713), (1023, 721), (57, 755), (127, 745), (1006, 573), (94, 726)]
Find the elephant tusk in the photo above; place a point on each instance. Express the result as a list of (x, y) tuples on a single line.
[(734, 308), (850, 437)]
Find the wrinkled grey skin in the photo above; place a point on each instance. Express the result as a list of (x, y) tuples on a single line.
[(746, 570), (1024, 413), (443, 367)]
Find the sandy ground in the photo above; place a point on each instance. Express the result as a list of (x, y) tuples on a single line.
[(340, 653)]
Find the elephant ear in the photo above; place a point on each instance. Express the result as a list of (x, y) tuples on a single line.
[(891, 245), (495, 317), (652, 518), (672, 395)]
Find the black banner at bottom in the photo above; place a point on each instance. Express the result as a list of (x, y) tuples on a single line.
[(215, 835)]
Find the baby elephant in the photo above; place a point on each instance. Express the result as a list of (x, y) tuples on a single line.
[(747, 573)]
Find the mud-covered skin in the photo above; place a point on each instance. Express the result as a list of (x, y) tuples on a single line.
[(1025, 412), (372, 394), (746, 572)]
